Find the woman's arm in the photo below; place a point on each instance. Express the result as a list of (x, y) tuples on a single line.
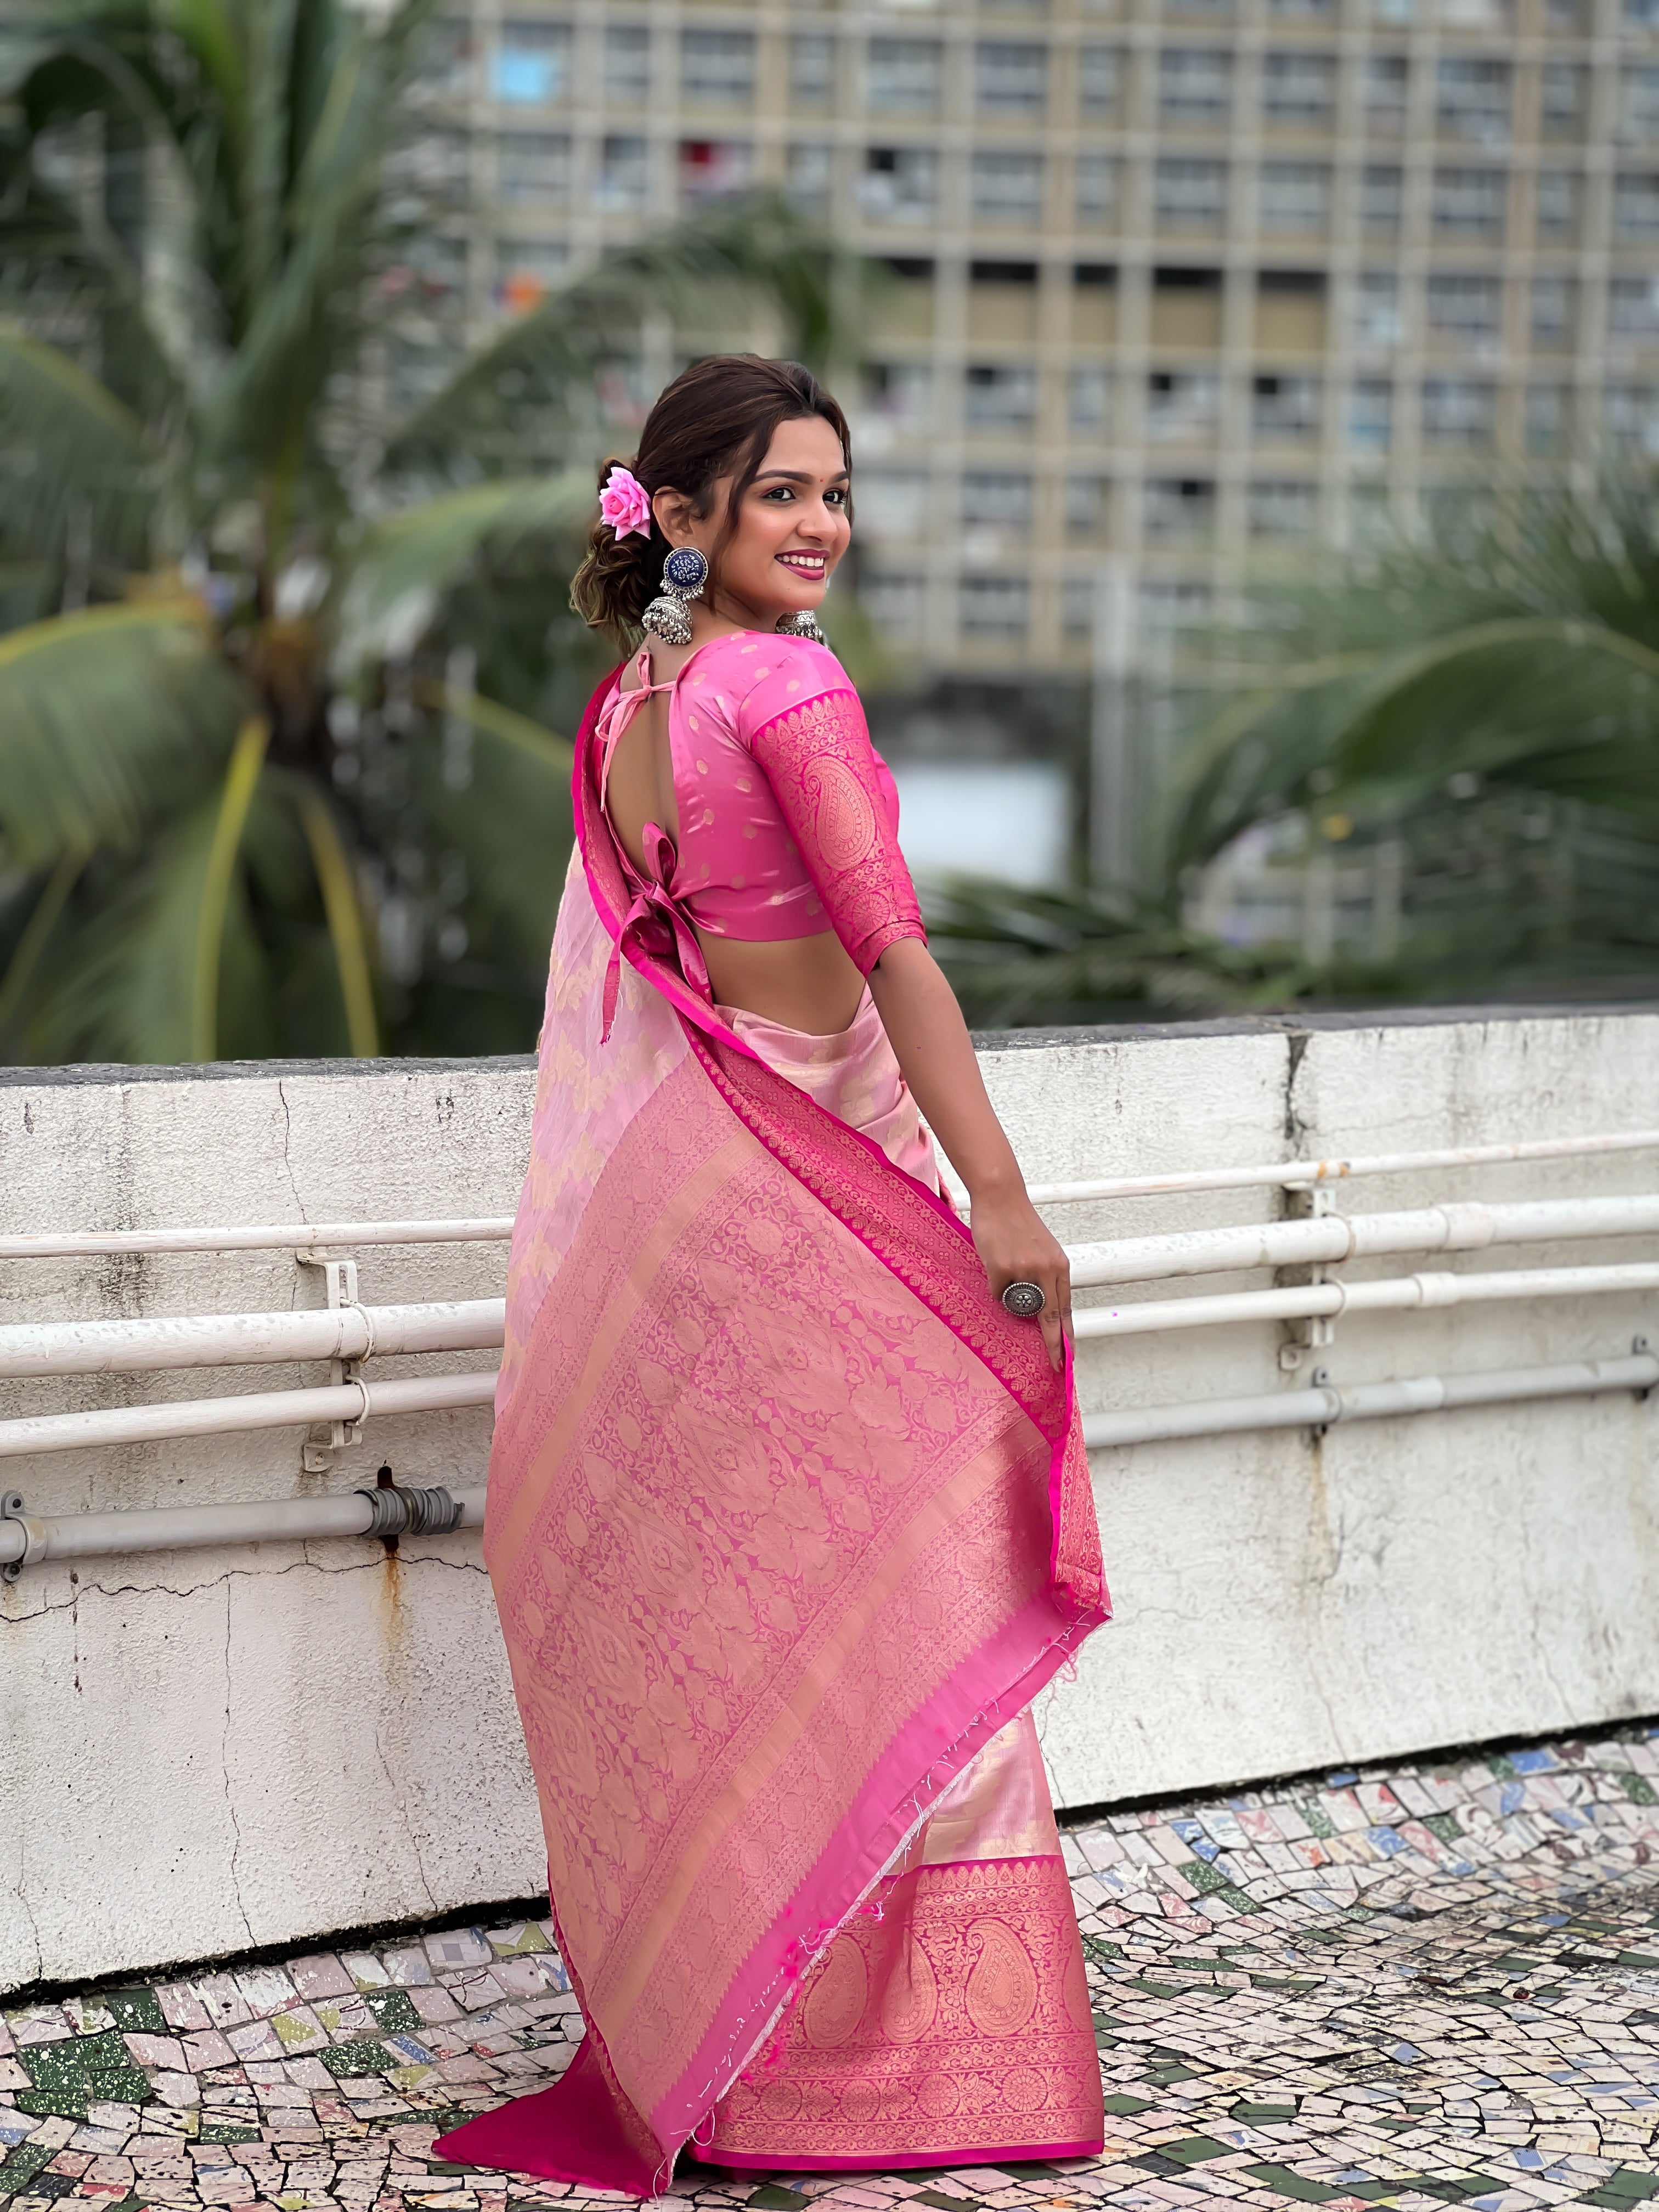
[(924, 1024)]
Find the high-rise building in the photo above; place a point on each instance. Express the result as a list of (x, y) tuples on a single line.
[(1174, 290)]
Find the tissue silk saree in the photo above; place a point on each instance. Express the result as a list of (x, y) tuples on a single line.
[(787, 1523)]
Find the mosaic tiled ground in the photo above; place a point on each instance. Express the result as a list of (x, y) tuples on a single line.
[(1420, 1986)]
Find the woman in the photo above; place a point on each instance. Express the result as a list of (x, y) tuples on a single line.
[(789, 1518)]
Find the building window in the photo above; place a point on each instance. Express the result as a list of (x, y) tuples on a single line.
[(623, 180), (1078, 595), (1170, 605), (438, 263), (901, 184), (1194, 87), (1470, 202), (532, 64), (1382, 193), (714, 169), (892, 505), (1178, 508), (1562, 99), (1001, 397), (1007, 187), (1632, 306), (1011, 77), (1631, 413), (626, 65), (1303, 11), (1557, 207), (1636, 209), (1298, 91), (1089, 400), (899, 394), (1284, 409), (903, 76), (1554, 311), (1548, 413), (447, 53), (1096, 176), (1368, 419), (1086, 508), (995, 606), (1376, 323), (809, 178), (1280, 510), (1471, 99), (996, 499), (1388, 86), (1099, 70), (435, 166), (1639, 105), (1642, 14), (1181, 404), (1295, 196), (1458, 411), (1467, 310), (894, 600), (811, 69), (1189, 195), (526, 270), (717, 68), (532, 168)]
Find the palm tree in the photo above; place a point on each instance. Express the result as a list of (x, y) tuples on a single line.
[(1485, 698), (278, 680)]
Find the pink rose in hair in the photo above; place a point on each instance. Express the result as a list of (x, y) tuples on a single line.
[(625, 504)]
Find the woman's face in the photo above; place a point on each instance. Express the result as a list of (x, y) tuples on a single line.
[(792, 527)]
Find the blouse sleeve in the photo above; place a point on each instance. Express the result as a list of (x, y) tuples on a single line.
[(804, 724)]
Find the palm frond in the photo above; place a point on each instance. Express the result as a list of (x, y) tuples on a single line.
[(492, 720), (122, 987), (1017, 957), (65, 441), (400, 569), (694, 270), (99, 713), (343, 911), (264, 404), (219, 868)]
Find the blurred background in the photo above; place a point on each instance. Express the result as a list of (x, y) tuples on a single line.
[(1256, 583)]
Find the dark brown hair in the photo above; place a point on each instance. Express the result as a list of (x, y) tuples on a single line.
[(716, 419)]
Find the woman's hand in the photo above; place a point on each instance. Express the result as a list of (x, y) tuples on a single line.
[(1017, 1246)]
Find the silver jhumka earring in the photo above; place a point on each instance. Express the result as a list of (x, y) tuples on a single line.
[(684, 575), (803, 623)]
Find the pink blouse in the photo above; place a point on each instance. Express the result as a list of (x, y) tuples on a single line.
[(788, 818)]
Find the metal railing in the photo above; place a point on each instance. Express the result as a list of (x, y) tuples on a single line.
[(347, 1333)]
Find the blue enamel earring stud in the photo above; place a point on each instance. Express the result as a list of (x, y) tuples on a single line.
[(669, 616)]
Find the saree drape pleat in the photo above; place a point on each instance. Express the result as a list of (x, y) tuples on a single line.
[(788, 1522)]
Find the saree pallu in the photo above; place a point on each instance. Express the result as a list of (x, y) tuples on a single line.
[(787, 1523)]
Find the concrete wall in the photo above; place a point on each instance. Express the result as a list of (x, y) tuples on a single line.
[(207, 1752)]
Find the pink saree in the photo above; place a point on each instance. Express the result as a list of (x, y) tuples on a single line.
[(787, 1524)]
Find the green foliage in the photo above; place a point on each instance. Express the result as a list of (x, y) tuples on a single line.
[(279, 677), (1020, 959), (1487, 699)]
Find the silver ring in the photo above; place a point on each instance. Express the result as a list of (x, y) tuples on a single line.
[(1025, 1301)]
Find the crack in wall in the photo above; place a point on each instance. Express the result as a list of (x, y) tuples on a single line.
[(224, 1767), (250, 1574), (288, 1143)]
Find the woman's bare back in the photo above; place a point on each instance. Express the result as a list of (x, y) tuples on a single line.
[(807, 983)]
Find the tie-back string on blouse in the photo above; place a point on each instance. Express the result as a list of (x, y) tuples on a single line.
[(788, 818)]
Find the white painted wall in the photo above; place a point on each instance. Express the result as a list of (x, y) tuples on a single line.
[(206, 1752)]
